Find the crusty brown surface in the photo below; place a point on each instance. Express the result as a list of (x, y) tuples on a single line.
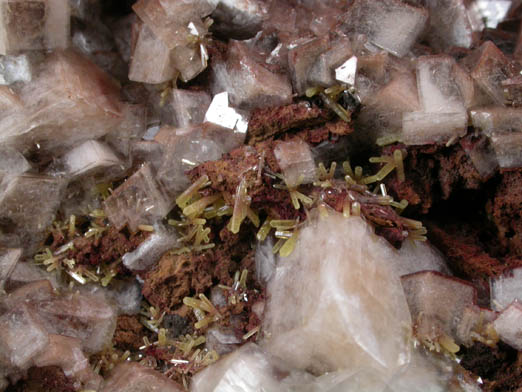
[(269, 122), (44, 379)]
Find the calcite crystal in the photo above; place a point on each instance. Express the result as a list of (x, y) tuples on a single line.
[(132, 377), (508, 325), (390, 24), (505, 289), (141, 200), (251, 369), (8, 260), (339, 320), (27, 206), (71, 101), (230, 195), (437, 304), (30, 25)]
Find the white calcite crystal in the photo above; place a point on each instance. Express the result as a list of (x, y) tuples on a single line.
[(90, 157), (382, 111), (173, 31), (443, 117), (389, 24), (33, 24), (148, 253), (151, 59), (336, 303), (140, 200), (416, 256), (222, 114), (27, 207), (301, 60), (186, 107), (132, 377), (9, 257), (15, 69), (489, 67), (71, 100), (509, 325), (12, 162), (428, 127), (451, 23), (22, 338), (437, 304), (265, 260), (295, 159), (89, 318), (124, 296), (437, 84), (249, 369), (503, 127), (185, 148), (248, 82), (324, 71), (505, 289)]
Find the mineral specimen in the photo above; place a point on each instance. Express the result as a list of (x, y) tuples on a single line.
[(332, 306)]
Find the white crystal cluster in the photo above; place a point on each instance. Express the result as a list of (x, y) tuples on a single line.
[(338, 317)]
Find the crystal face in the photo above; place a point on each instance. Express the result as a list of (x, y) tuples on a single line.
[(369, 318)]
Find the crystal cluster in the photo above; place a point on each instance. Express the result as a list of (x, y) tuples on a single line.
[(187, 203)]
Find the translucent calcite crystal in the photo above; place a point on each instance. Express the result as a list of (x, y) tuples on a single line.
[(382, 111), (140, 200), (322, 72), (71, 101), (390, 24), (33, 24), (148, 253), (437, 84), (505, 289), (186, 107), (249, 369), (89, 318), (429, 128), (174, 22), (185, 148), (151, 59), (489, 67), (503, 127), (22, 337), (415, 256), (295, 159), (248, 82), (437, 304), (132, 377), (301, 58), (336, 303), (12, 162), (451, 23), (509, 325), (27, 207), (174, 31), (15, 69), (90, 157), (9, 257)]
